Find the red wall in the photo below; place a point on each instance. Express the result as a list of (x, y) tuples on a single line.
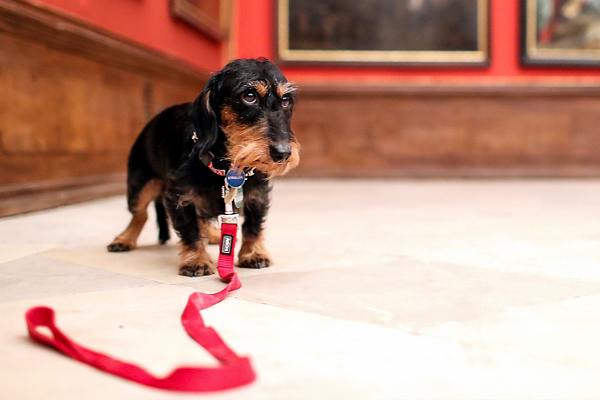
[(148, 22), (255, 22)]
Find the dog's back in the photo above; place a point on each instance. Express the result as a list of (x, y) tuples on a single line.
[(161, 144)]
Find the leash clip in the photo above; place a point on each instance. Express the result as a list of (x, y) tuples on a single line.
[(228, 219)]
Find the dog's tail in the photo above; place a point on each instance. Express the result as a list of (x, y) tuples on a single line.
[(161, 220)]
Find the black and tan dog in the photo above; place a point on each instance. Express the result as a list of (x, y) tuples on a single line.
[(241, 120)]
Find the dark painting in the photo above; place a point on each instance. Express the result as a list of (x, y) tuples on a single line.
[(561, 32), (383, 26)]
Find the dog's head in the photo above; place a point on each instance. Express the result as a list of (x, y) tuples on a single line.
[(251, 102)]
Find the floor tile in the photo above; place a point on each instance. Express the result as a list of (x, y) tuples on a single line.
[(563, 332), (14, 251), (153, 262), (296, 355), (90, 224), (138, 325), (379, 289), (408, 294), (334, 358), (36, 277)]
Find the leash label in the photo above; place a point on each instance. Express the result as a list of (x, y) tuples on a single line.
[(226, 247)]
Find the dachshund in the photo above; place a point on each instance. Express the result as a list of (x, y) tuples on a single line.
[(240, 122)]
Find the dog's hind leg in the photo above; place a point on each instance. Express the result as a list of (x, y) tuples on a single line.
[(161, 219), (208, 231), (195, 261), (138, 205)]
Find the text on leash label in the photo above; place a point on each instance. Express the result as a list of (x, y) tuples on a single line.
[(226, 244)]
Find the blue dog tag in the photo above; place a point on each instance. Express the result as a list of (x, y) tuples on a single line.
[(235, 178)]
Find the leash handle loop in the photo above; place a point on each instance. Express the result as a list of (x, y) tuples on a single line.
[(233, 371)]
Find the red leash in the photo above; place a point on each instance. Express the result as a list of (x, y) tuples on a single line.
[(233, 371)]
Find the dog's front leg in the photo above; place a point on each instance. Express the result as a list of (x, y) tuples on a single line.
[(253, 253), (194, 261)]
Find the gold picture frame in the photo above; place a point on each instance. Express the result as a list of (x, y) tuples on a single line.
[(560, 33), (210, 17), (431, 32)]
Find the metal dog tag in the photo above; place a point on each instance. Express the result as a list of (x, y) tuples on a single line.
[(235, 178)]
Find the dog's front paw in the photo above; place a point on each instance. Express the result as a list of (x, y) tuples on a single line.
[(119, 246), (253, 254), (196, 270), (257, 261), (195, 261)]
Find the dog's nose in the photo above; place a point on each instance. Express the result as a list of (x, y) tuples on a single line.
[(280, 152)]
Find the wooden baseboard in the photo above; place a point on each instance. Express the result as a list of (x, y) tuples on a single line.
[(33, 196), (448, 131)]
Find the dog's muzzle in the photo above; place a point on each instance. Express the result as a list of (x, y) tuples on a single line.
[(280, 152)]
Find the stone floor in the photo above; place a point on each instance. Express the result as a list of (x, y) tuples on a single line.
[(380, 289)]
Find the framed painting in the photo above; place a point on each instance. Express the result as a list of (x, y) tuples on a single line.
[(383, 31), (208, 16), (561, 32)]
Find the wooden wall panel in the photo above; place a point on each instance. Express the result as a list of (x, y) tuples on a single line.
[(59, 103), (448, 131), (71, 108)]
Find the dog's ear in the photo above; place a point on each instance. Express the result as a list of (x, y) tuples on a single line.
[(206, 110)]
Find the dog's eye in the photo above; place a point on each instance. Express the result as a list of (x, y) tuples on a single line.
[(285, 101), (249, 97)]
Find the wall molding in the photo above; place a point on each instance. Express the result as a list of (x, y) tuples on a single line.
[(443, 89), (67, 34)]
